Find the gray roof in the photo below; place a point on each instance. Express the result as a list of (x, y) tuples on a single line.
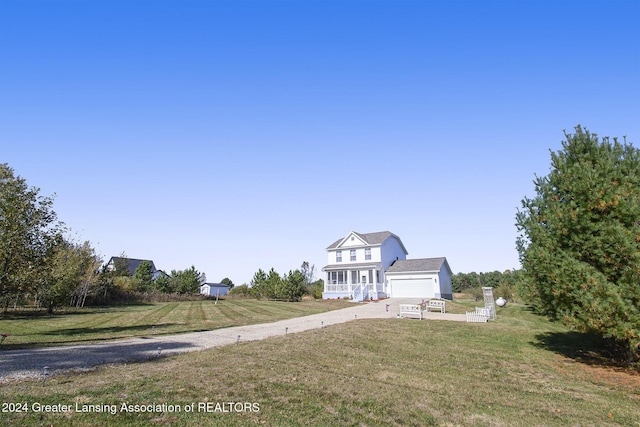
[(131, 263), (215, 285), (420, 264), (370, 238)]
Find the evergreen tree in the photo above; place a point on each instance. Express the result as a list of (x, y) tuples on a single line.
[(228, 282), (580, 239), (187, 281), (143, 277), (292, 286)]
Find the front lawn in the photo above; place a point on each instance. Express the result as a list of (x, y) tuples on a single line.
[(109, 323), (517, 371)]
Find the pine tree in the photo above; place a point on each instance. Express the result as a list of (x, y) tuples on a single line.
[(579, 239)]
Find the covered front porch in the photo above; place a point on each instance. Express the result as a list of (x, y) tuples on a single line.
[(356, 281)]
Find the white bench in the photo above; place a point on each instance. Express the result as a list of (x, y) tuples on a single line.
[(436, 304), (407, 310)]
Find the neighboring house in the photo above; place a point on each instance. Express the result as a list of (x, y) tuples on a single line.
[(214, 289), (130, 263), (158, 274), (359, 267)]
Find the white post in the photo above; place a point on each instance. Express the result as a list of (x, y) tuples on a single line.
[(375, 280)]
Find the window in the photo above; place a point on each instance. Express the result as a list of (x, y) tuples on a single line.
[(353, 255), (337, 277), (367, 254), (342, 277), (338, 256)]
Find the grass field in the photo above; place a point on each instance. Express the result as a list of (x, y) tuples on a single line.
[(109, 323), (517, 371)]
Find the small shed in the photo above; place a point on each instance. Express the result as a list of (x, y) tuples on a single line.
[(214, 289)]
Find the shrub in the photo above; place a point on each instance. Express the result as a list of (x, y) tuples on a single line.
[(242, 290), (315, 289)]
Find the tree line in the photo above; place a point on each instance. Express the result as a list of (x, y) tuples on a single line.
[(291, 286), (505, 284), (41, 266), (186, 281)]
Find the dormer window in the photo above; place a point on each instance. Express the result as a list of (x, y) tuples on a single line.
[(338, 256), (353, 254)]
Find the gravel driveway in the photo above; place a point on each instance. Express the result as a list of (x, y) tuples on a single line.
[(15, 364)]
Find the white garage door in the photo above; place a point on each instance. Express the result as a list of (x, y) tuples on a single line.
[(413, 288)]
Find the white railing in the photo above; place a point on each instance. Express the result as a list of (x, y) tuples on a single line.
[(356, 295), (355, 290), (360, 292), (343, 287)]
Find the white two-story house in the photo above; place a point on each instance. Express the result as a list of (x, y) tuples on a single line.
[(374, 265), (357, 264)]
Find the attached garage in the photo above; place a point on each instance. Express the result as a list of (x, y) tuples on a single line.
[(412, 288), (419, 278)]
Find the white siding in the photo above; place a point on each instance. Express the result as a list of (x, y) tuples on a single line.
[(360, 255), (355, 242), (213, 291), (389, 252), (375, 254), (331, 257)]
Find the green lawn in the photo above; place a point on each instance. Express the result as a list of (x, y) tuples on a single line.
[(517, 371), (110, 323)]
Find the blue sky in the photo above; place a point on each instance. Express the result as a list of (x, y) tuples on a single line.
[(237, 135)]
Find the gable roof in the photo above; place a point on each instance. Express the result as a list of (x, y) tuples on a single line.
[(420, 264), (159, 273), (215, 285), (131, 263), (376, 238)]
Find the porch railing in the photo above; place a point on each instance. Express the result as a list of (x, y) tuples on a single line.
[(361, 292), (350, 288)]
